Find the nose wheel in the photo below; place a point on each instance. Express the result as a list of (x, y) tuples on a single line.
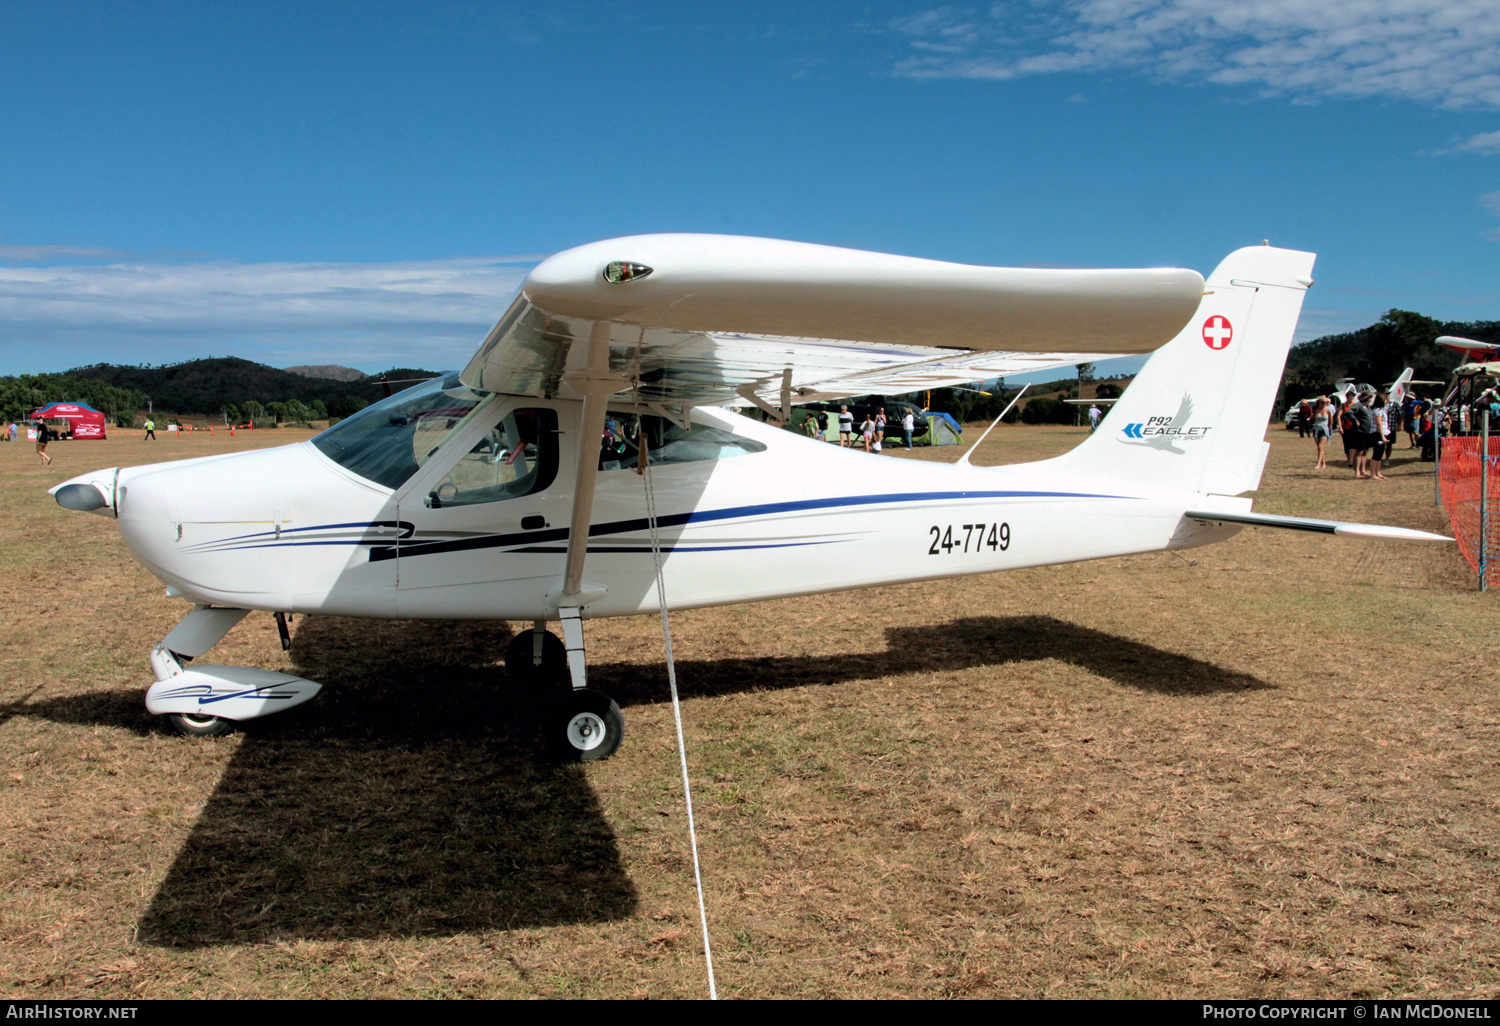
[(200, 726), (587, 726)]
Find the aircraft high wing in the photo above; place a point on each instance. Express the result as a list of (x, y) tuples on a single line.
[(1471, 350), (711, 320), (506, 491)]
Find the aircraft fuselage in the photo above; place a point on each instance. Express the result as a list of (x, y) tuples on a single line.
[(289, 529)]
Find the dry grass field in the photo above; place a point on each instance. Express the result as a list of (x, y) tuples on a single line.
[(1264, 768)]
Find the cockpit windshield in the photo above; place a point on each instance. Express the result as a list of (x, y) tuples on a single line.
[(388, 442)]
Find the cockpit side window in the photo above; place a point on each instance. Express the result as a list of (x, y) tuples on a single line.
[(518, 456), (619, 448), (388, 442)]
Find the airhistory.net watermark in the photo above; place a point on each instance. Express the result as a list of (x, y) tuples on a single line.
[(41, 1010)]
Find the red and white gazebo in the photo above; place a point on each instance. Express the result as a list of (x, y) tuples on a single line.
[(83, 420)]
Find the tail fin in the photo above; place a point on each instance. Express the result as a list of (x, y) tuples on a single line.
[(1397, 394), (1195, 417)]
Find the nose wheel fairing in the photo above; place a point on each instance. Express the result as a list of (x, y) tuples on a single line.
[(206, 699), (229, 692)]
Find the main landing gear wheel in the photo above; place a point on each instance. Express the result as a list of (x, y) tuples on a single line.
[(587, 727), (520, 659), (200, 726)]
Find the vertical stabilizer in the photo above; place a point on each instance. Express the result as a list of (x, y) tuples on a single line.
[(1397, 394), (1195, 417)]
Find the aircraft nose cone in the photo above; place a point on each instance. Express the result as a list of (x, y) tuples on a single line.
[(89, 493), (84, 497)]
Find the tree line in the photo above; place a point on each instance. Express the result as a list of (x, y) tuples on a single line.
[(1045, 402), (21, 394), (1377, 354), (217, 388)]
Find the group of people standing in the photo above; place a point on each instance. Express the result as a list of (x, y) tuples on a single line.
[(1368, 422), (871, 431)]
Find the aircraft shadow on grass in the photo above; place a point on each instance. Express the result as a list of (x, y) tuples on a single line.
[(414, 798), (957, 645)]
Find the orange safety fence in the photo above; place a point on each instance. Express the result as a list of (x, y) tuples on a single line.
[(1461, 482)]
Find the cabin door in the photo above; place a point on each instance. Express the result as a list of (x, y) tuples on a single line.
[(488, 517)]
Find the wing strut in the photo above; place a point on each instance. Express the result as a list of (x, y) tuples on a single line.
[(750, 391), (596, 386), (964, 459)]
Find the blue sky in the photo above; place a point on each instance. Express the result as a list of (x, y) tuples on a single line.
[(367, 183)]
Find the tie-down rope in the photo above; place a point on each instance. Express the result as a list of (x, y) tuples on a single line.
[(666, 631)]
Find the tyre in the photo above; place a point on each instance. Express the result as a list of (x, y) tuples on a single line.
[(520, 660), (587, 727), (200, 726)]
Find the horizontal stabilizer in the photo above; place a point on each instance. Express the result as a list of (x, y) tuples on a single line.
[(1319, 526)]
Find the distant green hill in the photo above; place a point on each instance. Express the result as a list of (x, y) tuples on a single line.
[(1377, 354), (204, 387), (332, 371)]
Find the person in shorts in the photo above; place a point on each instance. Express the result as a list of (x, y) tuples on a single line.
[(1322, 418), (43, 436), (846, 426), (1381, 442), (1348, 428), (1392, 421), (822, 425), (1364, 433)]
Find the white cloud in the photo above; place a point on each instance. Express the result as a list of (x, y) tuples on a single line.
[(1440, 52), (433, 312), (41, 254), (1485, 142), (1491, 202)]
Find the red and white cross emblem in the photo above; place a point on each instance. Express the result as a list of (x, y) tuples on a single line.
[(1217, 332)]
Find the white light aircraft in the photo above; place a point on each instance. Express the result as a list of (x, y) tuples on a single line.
[(1396, 391), (1469, 349), (508, 491)]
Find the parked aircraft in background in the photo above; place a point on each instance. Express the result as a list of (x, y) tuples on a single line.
[(487, 494), (1470, 350)]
